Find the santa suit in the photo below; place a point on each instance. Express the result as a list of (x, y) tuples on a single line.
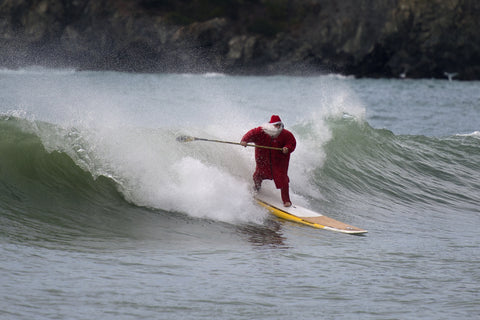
[(272, 164)]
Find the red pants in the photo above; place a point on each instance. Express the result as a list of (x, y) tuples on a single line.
[(285, 191)]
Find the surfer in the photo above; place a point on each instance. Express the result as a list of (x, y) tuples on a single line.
[(272, 164)]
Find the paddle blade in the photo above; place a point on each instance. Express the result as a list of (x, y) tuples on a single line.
[(185, 139)]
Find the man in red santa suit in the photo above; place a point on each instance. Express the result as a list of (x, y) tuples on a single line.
[(272, 164)]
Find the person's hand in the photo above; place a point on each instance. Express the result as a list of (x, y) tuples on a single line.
[(243, 143), (285, 150)]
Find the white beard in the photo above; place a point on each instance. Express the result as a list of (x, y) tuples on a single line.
[(271, 130)]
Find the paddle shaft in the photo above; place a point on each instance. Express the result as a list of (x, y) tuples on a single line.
[(248, 145)]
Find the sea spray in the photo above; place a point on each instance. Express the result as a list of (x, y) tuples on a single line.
[(126, 131)]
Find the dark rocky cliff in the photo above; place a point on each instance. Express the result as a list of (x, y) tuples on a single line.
[(373, 38)]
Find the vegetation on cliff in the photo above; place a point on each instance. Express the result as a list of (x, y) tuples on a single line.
[(375, 38)]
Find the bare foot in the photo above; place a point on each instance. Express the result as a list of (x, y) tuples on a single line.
[(287, 204)]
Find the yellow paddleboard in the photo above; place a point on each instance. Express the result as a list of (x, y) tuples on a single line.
[(302, 215)]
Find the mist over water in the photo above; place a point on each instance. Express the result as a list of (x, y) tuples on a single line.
[(94, 184)]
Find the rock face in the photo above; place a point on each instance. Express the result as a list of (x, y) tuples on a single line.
[(373, 38)]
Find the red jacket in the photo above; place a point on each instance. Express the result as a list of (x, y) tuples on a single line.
[(272, 164)]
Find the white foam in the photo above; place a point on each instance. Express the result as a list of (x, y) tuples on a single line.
[(124, 126), (475, 134)]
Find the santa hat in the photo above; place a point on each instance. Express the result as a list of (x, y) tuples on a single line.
[(275, 119)]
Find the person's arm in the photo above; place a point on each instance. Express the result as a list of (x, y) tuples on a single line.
[(248, 137), (291, 144)]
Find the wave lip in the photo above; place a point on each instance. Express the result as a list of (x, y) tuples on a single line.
[(47, 190), (378, 167), (475, 134)]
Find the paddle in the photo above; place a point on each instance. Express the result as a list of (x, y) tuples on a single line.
[(189, 139)]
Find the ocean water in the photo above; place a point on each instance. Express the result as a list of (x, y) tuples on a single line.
[(105, 215)]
